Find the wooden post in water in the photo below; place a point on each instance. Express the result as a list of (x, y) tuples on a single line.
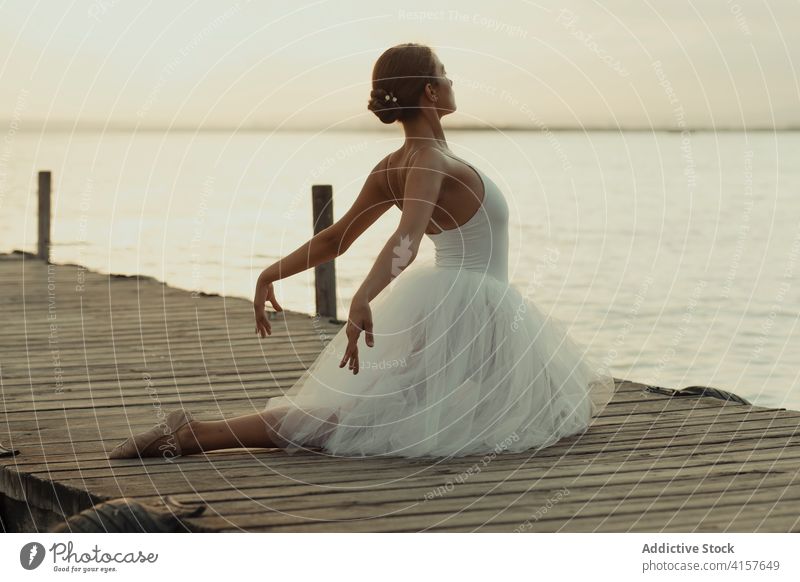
[(324, 274), (43, 251)]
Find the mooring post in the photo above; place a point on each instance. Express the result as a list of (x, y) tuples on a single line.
[(43, 251), (324, 274)]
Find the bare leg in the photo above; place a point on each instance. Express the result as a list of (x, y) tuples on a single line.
[(248, 430)]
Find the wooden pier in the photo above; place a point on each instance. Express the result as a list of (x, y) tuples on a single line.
[(87, 358)]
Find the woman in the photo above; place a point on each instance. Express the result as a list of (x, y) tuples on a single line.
[(459, 362)]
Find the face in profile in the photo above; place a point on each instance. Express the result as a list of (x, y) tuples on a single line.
[(444, 91)]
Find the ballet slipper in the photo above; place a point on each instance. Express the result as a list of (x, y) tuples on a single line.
[(137, 445)]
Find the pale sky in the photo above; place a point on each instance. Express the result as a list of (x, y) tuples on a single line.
[(574, 64)]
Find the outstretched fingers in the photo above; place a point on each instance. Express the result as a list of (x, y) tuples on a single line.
[(265, 291), (350, 358), (351, 352), (368, 337), (263, 327)]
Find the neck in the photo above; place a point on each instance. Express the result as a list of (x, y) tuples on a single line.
[(425, 129)]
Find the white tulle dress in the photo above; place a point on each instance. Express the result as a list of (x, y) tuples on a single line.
[(463, 363)]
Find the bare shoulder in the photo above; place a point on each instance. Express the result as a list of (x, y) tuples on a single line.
[(426, 169), (423, 167), (381, 166), (375, 182), (428, 157)]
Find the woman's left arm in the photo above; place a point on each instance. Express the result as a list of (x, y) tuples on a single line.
[(423, 183)]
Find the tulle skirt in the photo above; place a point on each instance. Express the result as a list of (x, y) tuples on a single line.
[(462, 364)]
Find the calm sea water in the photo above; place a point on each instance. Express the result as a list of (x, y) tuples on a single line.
[(673, 257)]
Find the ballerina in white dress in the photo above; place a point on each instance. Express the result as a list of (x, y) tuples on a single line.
[(457, 361)]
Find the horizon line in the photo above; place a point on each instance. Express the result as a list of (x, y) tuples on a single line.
[(60, 128)]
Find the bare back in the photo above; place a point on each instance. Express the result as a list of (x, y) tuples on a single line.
[(460, 197)]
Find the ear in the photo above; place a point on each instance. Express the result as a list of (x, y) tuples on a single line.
[(430, 92)]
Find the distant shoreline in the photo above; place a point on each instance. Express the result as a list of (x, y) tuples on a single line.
[(386, 129)]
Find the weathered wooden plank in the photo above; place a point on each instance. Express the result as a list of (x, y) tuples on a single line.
[(750, 439), (513, 508), (423, 490), (589, 474), (608, 516)]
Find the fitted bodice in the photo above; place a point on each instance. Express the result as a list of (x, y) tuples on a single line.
[(481, 243)]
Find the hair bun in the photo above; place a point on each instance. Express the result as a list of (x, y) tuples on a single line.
[(385, 105), (384, 98)]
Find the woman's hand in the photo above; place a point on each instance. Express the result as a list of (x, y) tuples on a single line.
[(360, 319), (264, 292)]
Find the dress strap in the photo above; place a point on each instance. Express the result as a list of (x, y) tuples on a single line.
[(386, 172)]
